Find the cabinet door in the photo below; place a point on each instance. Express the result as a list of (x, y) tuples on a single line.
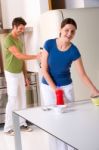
[(32, 96), (56, 4), (3, 99), (11, 9)]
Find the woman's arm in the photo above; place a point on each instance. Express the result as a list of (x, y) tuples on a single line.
[(85, 78), (44, 68)]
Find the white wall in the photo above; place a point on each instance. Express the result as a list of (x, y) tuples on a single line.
[(87, 41), (91, 3), (74, 3), (81, 3)]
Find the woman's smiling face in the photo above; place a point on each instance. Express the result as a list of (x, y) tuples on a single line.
[(68, 32)]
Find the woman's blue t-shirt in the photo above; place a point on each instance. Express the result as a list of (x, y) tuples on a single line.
[(59, 62)]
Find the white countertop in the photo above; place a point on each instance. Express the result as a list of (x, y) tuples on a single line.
[(78, 127)]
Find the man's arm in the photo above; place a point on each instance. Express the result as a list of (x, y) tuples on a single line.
[(19, 55)]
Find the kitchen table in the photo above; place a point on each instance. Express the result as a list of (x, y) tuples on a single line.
[(77, 127)]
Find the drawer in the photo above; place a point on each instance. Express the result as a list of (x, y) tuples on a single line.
[(32, 77), (2, 118), (2, 110), (2, 82), (3, 98), (32, 96)]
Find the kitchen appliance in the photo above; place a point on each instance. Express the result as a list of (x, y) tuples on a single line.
[(3, 101), (3, 89), (3, 97), (32, 93), (3, 34)]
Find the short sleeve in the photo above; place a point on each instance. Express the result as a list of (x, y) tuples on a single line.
[(47, 45), (8, 42), (75, 53)]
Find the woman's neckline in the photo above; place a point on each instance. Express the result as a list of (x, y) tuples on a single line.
[(62, 50)]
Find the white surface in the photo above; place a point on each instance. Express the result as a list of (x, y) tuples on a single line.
[(81, 3), (49, 25), (78, 127), (91, 3), (74, 4)]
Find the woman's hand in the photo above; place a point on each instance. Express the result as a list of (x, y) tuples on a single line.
[(95, 93)]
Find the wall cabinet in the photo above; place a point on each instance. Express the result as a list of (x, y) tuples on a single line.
[(30, 10), (56, 4), (11, 9)]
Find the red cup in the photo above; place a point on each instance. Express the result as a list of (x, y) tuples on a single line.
[(59, 97)]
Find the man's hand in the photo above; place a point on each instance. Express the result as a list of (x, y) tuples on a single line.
[(39, 55), (27, 82)]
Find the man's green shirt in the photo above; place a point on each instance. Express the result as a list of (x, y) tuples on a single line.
[(11, 63)]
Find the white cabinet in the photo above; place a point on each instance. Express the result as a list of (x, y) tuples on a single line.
[(30, 10), (10, 10)]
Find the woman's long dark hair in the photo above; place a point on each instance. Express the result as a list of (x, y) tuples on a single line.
[(68, 21)]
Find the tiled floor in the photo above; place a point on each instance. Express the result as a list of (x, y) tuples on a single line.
[(35, 140)]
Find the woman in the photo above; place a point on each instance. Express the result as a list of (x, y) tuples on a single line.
[(57, 57)]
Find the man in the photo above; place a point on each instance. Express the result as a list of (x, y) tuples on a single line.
[(15, 74)]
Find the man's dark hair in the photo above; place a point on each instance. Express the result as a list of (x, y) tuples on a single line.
[(17, 21)]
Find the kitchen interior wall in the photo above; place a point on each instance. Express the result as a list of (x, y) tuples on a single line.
[(74, 4), (91, 3), (86, 40), (81, 3)]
